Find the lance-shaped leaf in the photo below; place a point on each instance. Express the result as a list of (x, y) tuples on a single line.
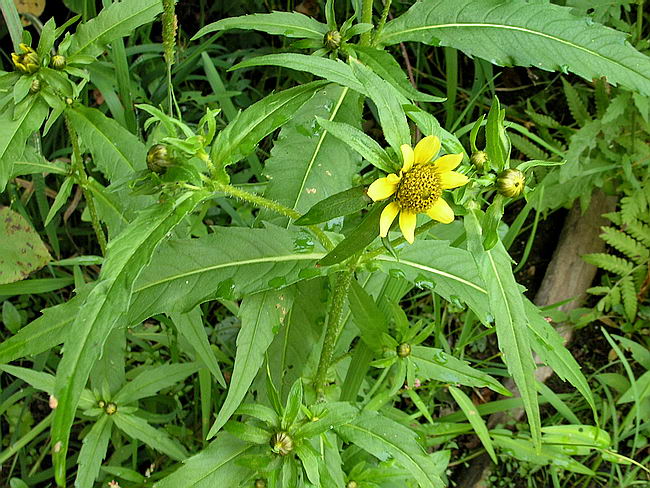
[(116, 152), (507, 306), (288, 24), (385, 438), (449, 271), (517, 32), (15, 134), (261, 315), (151, 380), (93, 452), (157, 439), (230, 263), (307, 164), (106, 307), (215, 466), (240, 137), (117, 20)]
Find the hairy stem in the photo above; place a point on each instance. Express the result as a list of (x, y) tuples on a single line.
[(382, 21), (82, 181), (272, 205), (366, 18), (333, 328)]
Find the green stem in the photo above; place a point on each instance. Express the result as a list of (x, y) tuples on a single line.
[(333, 328), (82, 181), (382, 22), (366, 18), (259, 201), (396, 242)]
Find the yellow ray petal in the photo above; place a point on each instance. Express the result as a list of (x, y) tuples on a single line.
[(387, 216), (382, 188), (441, 211), (407, 222), (407, 156), (448, 162), (426, 149), (452, 179)]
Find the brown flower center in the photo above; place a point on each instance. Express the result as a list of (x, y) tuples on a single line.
[(419, 189)]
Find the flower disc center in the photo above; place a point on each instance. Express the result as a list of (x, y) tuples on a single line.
[(419, 189)]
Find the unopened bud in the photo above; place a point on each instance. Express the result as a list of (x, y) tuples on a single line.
[(159, 158), (58, 62), (260, 483), (332, 40), (54, 402), (510, 183), (352, 484), (35, 87), (110, 409), (403, 350), (478, 159)]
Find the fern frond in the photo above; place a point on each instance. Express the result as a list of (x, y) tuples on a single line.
[(598, 290), (633, 205), (620, 241), (532, 151), (543, 120), (610, 263), (639, 231), (628, 294), (576, 106)]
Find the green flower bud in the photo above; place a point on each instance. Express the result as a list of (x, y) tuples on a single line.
[(281, 443), (332, 40), (260, 483), (478, 159), (403, 350), (510, 183), (352, 484), (110, 409), (101, 403), (58, 62), (35, 87), (27, 61), (159, 158)]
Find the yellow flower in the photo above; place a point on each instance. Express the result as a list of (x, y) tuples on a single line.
[(27, 61), (418, 187)]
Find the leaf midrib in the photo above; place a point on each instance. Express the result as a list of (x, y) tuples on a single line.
[(515, 28)]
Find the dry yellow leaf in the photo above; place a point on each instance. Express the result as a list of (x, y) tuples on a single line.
[(32, 7)]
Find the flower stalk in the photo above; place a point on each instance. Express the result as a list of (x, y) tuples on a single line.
[(333, 328), (82, 181), (366, 18)]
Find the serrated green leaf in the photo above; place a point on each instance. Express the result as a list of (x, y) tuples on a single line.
[(385, 438), (240, 137), (105, 308), (496, 30), (507, 306), (334, 71), (310, 462), (230, 263), (215, 465), (21, 249), (288, 24), (466, 405), (116, 152), (367, 316), (190, 326), (92, 452), (261, 315), (117, 20), (391, 113), (338, 205), (60, 200), (450, 272), (157, 439), (549, 346), (15, 134), (151, 380), (435, 364), (307, 164), (294, 402), (363, 144)]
